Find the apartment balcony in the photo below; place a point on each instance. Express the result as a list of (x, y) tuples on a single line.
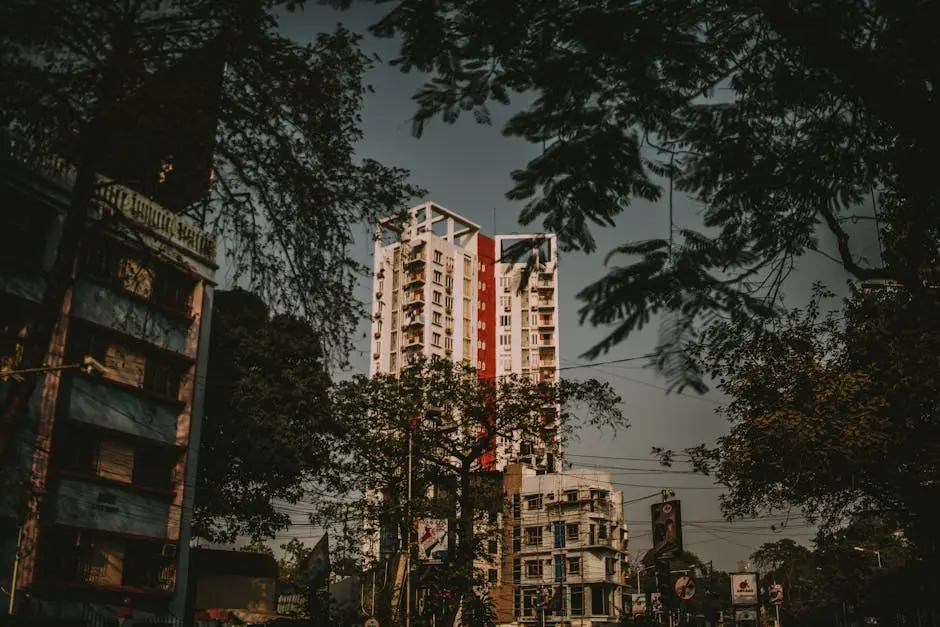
[(414, 342), (111, 198), (415, 280), (107, 506), (546, 323), (415, 300), (417, 258), (544, 304), (413, 322), (90, 561)]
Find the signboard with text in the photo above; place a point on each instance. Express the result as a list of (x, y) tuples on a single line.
[(744, 589)]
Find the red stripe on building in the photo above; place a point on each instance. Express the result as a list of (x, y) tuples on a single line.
[(486, 315)]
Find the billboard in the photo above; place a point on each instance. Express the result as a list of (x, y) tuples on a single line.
[(432, 540), (639, 604), (744, 589)]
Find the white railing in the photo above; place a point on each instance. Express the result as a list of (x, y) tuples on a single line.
[(111, 197)]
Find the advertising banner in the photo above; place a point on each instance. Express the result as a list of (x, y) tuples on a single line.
[(432, 540), (639, 604), (744, 589)]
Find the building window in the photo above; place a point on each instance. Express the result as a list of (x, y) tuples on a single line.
[(449, 282), (492, 575), (449, 302), (492, 547), (571, 496), (572, 531), (436, 339), (529, 601), (131, 364), (24, 234), (610, 566), (533, 501), (438, 277), (505, 302), (438, 256), (577, 600), (533, 569), (602, 532), (109, 261), (467, 265), (507, 365), (533, 536), (516, 570), (574, 565), (505, 339), (437, 318), (599, 600), (505, 282), (393, 361), (437, 297), (516, 539), (505, 320), (449, 343)]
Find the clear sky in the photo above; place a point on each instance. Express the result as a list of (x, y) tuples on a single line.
[(465, 167)]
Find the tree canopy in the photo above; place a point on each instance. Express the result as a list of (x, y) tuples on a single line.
[(162, 96), (780, 119), (450, 422), (859, 570), (831, 413), (268, 435)]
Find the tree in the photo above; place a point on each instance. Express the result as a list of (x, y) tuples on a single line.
[(835, 387), (776, 117), (451, 422), (268, 434), (105, 83), (835, 580), (835, 414)]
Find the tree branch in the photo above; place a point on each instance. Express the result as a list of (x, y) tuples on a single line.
[(845, 253)]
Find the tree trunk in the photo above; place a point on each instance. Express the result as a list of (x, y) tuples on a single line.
[(92, 146), (57, 283), (463, 562)]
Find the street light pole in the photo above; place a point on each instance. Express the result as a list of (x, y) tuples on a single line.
[(864, 550)]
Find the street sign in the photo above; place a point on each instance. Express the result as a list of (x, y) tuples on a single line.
[(745, 615), (776, 594), (744, 589), (685, 588), (371, 622)]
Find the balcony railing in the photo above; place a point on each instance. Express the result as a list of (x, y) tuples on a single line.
[(111, 197)]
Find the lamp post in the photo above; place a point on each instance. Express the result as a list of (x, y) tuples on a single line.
[(864, 550), (89, 365)]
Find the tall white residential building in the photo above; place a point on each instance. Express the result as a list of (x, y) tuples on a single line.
[(565, 533), (441, 289)]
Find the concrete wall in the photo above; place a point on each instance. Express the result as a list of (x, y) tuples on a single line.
[(90, 505), (99, 403)]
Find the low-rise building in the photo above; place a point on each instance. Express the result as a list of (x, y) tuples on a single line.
[(111, 453), (565, 542)]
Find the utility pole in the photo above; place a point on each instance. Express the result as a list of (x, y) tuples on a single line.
[(410, 529)]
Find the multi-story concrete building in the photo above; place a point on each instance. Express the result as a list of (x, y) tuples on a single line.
[(565, 538), (442, 288), (112, 454)]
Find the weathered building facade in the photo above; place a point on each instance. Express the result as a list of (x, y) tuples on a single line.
[(111, 452)]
